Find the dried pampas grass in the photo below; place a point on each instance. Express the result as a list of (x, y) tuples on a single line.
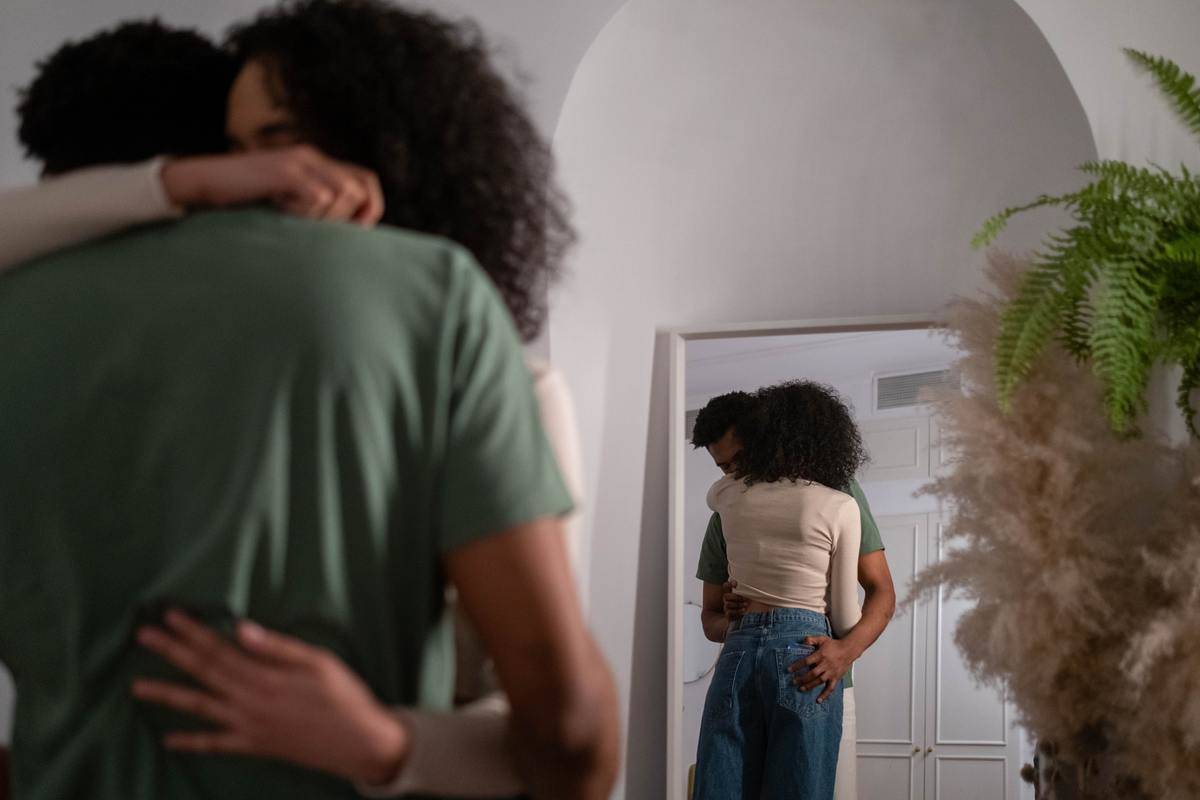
[(1081, 552)]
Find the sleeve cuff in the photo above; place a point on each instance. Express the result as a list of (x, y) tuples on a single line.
[(157, 192), (457, 754)]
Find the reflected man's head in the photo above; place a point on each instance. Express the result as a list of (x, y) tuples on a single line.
[(716, 428), (125, 95)]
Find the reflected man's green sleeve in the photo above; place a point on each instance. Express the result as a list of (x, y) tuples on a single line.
[(871, 540), (714, 563)]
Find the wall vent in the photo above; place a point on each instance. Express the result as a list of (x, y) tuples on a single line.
[(903, 391)]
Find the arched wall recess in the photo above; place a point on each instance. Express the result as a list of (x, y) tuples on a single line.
[(807, 160)]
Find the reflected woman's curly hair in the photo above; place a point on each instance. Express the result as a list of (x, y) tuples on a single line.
[(415, 98), (801, 431)]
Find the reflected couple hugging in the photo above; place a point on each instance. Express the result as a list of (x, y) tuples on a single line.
[(790, 539)]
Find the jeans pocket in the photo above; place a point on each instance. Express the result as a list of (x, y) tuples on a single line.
[(720, 701), (803, 704)]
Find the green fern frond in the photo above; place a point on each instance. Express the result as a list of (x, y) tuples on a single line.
[(1121, 286), (1123, 346), (1176, 84), (1185, 249), (1026, 327), (992, 226)]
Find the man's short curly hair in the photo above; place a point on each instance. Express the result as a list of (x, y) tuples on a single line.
[(719, 415), (416, 99), (125, 95), (801, 431)]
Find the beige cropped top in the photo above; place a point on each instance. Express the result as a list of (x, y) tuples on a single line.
[(792, 544)]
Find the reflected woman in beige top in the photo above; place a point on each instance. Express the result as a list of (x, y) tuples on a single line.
[(792, 546)]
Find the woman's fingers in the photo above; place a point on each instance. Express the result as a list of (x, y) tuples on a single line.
[(181, 698), (339, 191), (342, 188), (275, 646), (177, 653), (305, 196), (203, 654), (372, 210)]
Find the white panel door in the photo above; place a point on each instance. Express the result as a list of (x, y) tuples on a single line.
[(889, 680), (973, 750), (899, 448), (942, 457)]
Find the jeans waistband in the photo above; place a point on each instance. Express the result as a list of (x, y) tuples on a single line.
[(782, 617)]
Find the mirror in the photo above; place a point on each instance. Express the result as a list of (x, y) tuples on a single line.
[(923, 728)]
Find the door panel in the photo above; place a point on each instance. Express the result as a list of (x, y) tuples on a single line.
[(971, 778), (967, 713), (899, 448), (973, 751), (889, 680), (886, 777)]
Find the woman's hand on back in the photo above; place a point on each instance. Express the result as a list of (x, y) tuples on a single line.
[(273, 697), (734, 604), (297, 180)]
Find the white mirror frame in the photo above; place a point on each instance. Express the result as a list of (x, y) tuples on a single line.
[(679, 337)]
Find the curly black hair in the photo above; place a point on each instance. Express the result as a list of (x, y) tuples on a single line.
[(800, 431), (415, 98), (720, 414), (124, 95)]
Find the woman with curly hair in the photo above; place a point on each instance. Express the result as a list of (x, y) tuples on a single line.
[(793, 545), (343, 110)]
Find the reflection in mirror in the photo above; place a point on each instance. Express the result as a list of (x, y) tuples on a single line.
[(916, 724)]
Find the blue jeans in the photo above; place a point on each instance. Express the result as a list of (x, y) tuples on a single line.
[(761, 737)]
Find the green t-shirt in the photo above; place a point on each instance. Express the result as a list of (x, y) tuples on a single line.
[(245, 415), (714, 563)]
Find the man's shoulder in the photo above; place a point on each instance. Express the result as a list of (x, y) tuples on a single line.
[(319, 257), (317, 239), (248, 234)]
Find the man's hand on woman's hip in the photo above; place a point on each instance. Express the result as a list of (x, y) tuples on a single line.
[(832, 660)]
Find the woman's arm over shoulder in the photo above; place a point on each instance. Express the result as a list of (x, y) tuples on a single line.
[(80, 206), (557, 412), (846, 528), (86, 204)]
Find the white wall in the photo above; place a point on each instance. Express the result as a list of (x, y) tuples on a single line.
[(770, 160), (1127, 116)]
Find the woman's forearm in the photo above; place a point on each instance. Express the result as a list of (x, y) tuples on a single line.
[(441, 744), (845, 612), (79, 207)]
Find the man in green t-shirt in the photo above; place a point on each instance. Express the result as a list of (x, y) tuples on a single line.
[(716, 430), (309, 424)]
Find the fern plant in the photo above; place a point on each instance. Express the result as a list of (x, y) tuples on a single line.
[(1121, 287)]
